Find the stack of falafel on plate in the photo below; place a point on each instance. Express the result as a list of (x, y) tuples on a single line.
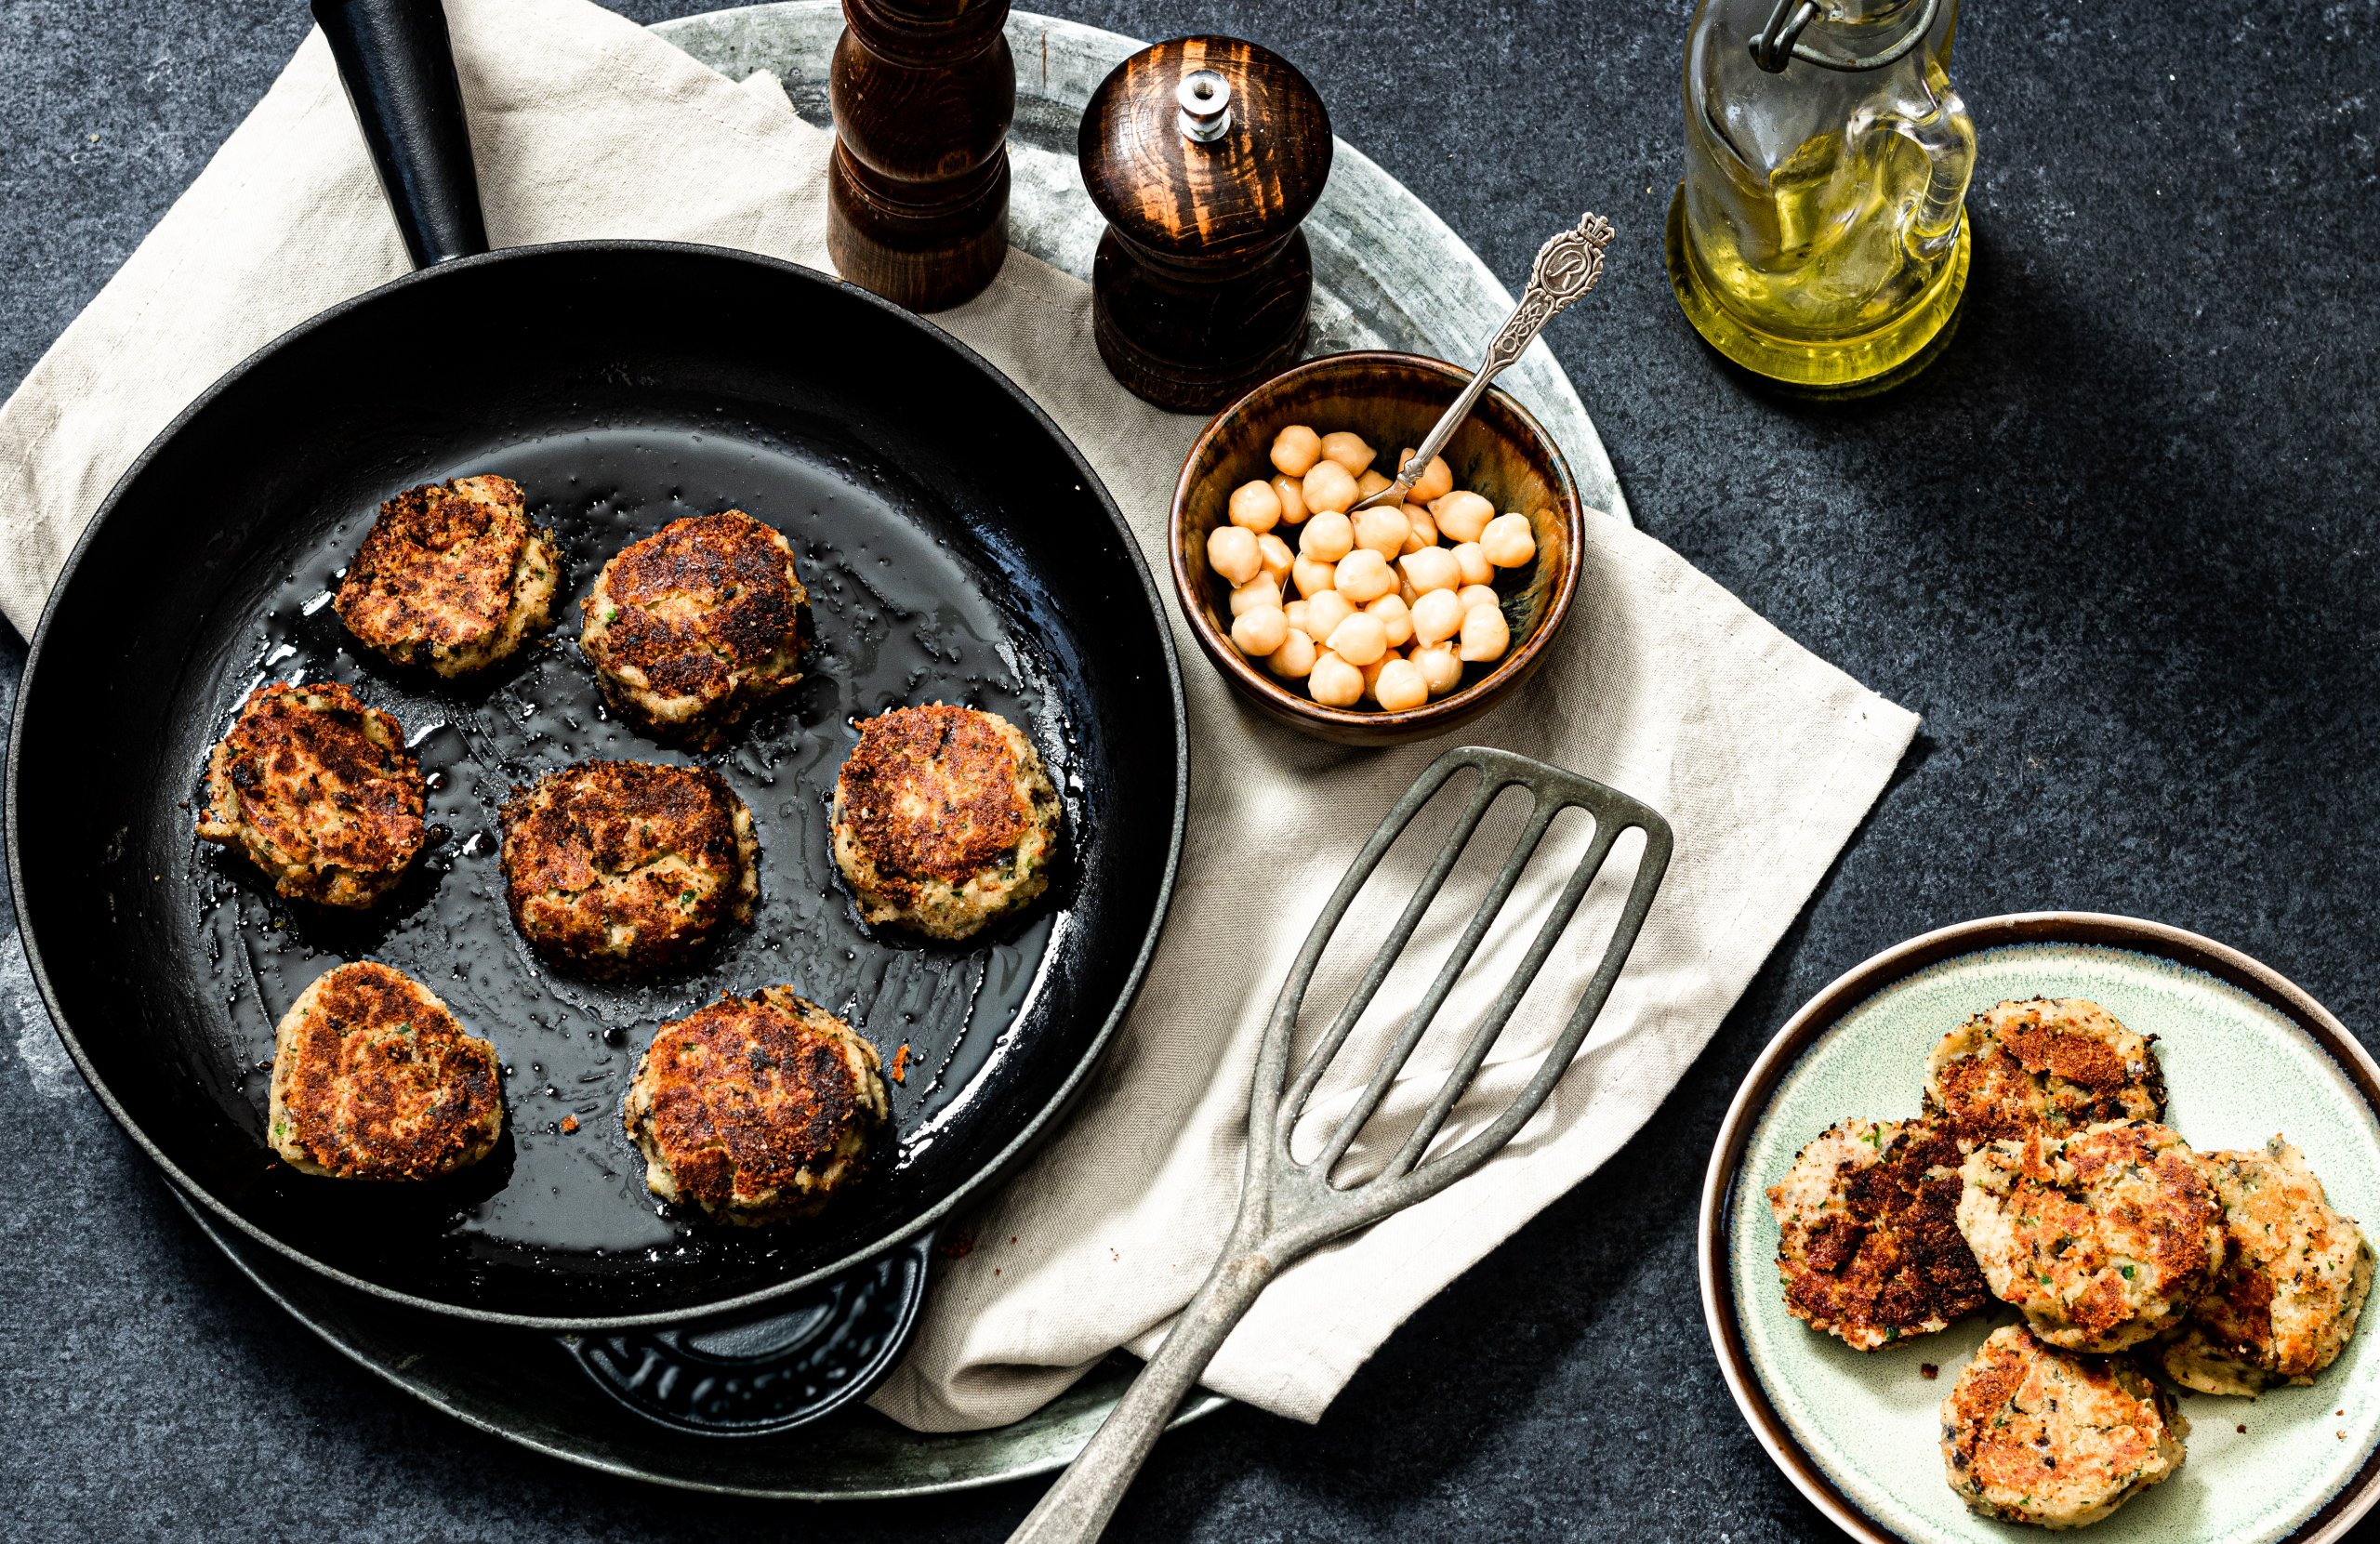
[(755, 1108), (2041, 1173)]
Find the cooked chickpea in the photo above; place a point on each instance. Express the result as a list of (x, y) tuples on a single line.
[(1360, 640), (1260, 632), (1461, 516), (1400, 685), (1432, 568), (1294, 657), (1255, 506), (1508, 542), (1441, 668), (1259, 594), (1327, 537), (1295, 450), (1393, 602), (1231, 551), (1349, 450), (1435, 481), (1437, 616), (1363, 576), (1382, 531), (1485, 636), (1328, 489), (1325, 611), (1334, 682)]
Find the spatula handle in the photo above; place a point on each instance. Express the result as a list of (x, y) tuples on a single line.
[(1076, 1509)]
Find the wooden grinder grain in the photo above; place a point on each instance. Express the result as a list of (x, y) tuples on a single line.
[(923, 90), (1203, 279)]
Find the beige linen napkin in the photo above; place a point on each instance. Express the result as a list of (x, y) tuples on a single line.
[(1762, 756)]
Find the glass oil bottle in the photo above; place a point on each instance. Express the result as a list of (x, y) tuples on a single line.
[(1819, 237)]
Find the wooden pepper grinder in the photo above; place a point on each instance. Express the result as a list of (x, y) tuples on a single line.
[(916, 204), (1205, 154)]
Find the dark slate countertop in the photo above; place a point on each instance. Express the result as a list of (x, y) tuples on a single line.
[(2116, 546)]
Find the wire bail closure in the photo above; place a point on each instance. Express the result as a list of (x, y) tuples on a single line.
[(1779, 43)]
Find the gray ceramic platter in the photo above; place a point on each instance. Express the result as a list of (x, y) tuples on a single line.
[(1388, 274), (2245, 1054), (1387, 271)]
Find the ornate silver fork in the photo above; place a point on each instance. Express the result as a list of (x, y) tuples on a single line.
[(1566, 267), (1288, 1209)]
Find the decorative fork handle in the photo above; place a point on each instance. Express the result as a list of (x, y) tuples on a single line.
[(1566, 267)]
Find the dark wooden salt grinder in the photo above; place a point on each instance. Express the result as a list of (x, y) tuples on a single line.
[(1205, 154), (917, 201)]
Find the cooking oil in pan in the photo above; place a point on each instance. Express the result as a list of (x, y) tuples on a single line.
[(900, 616)]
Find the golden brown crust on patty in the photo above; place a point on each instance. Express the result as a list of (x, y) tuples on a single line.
[(452, 576), (943, 819), (319, 790), (2103, 1238), (755, 1109), (699, 623), (373, 1079), (2033, 1434), (2058, 1064), (1870, 1248), (627, 866), (2289, 1299)]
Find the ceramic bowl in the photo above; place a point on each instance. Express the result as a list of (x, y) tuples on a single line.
[(1391, 399)]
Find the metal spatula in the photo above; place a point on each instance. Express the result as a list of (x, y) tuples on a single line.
[(1288, 1209)]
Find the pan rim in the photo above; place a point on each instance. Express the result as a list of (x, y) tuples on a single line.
[(990, 1172)]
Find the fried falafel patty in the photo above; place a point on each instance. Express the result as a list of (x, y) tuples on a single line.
[(2034, 1434), (943, 819), (2286, 1304), (622, 867), (697, 624), (319, 792), (452, 576), (2056, 1064), (755, 1109), (373, 1079), (1870, 1248), (2103, 1238)]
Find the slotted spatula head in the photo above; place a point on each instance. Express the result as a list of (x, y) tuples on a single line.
[(1307, 1204), (1289, 1208)]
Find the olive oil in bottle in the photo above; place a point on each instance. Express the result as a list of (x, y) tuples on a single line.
[(1819, 235)]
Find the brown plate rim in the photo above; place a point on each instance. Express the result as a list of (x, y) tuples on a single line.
[(2339, 1512), (1445, 712)]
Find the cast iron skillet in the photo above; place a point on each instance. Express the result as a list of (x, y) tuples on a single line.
[(958, 547)]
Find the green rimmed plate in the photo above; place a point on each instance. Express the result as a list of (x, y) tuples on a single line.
[(2246, 1054)]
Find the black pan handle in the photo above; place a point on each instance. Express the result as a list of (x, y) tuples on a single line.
[(399, 65)]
